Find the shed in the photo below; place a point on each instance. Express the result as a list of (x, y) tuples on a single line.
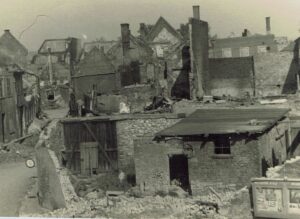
[(214, 148)]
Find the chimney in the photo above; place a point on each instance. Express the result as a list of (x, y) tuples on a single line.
[(125, 34), (143, 31), (245, 33), (196, 12), (268, 25)]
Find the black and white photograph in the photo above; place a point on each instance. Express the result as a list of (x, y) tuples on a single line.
[(150, 109)]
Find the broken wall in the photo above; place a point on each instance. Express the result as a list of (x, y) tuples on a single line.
[(138, 96), (130, 129), (231, 76), (49, 187), (275, 74)]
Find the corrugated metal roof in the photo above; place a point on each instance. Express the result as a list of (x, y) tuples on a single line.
[(225, 121)]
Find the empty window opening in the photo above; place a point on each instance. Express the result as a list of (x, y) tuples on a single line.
[(222, 144)]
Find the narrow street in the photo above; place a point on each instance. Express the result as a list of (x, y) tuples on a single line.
[(15, 179)]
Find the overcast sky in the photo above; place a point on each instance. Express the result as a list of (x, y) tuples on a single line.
[(96, 18)]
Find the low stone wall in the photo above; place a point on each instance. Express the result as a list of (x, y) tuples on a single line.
[(49, 187), (55, 189)]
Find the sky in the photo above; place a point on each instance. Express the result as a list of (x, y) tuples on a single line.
[(92, 19)]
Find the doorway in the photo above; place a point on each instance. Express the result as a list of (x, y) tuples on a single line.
[(179, 171)]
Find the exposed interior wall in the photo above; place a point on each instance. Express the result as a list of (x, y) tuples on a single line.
[(275, 74), (231, 76)]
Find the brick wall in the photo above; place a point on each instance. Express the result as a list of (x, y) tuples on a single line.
[(207, 170), (151, 161), (130, 129), (231, 76), (275, 73), (223, 173)]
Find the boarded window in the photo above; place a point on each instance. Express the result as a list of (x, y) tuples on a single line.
[(222, 144), (244, 52), (226, 53)]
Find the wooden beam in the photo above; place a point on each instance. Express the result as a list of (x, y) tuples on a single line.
[(100, 146)]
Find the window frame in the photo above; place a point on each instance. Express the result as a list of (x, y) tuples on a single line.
[(222, 145)]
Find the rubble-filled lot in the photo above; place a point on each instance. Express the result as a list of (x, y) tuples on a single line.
[(96, 204)]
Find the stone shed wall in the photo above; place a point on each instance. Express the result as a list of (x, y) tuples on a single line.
[(151, 161), (130, 129), (219, 172)]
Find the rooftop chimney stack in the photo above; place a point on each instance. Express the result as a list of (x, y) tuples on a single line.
[(143, 30), (125, 34), (196, 12), (268, 25)]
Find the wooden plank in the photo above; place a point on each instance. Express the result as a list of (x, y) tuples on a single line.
[(99, 145)]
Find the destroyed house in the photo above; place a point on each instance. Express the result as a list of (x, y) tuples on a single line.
[(160, 37), (213, 148), (132, 58), (95, 72)]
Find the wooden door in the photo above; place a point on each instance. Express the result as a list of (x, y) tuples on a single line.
[(88, 158)]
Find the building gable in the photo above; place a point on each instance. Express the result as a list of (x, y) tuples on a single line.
[(162, 30)]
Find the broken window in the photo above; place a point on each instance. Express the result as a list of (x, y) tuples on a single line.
[(226, 53), (222, 144)]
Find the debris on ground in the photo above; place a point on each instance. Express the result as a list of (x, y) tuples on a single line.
[(18, 151)]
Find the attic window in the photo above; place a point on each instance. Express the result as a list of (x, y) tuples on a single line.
[(222, 144)]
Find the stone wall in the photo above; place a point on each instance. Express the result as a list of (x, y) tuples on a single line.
[(206, 169), (223, 172), (49, 187), (54, 187), (151, 161), (275, 74), (130, 129)]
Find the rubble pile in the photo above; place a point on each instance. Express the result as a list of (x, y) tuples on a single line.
[(289, 169)]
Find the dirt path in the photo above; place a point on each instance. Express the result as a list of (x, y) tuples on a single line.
[(14, 182)]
